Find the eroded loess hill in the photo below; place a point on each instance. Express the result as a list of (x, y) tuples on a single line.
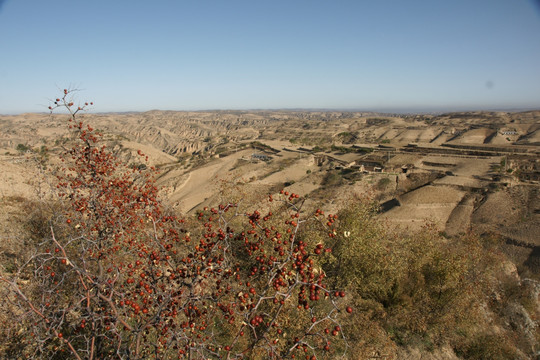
[(457, 170), (475, 171)]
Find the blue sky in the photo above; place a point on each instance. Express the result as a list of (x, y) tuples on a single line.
[(252, 54)]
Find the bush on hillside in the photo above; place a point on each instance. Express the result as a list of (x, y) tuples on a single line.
[(112, 274)]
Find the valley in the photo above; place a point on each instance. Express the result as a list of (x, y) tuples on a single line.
[(476, 171)]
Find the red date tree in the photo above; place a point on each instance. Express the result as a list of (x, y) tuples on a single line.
[(117, 277)]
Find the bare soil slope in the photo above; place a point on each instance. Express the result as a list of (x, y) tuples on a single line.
[(444, 168)]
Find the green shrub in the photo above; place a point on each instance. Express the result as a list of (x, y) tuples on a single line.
[(332, 179), (383, 183), (22, 147), (420, 291)]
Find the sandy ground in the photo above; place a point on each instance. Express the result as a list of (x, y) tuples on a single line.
[(295, 172), (18, 177), (430, 203), (155, 156), (171, 138), (201, 184), (513, 212), (475, 136), (459, 220)]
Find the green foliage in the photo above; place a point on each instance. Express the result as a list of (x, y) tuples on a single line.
[(342, 149), (421, 291), (332, 179), (318, 148), (361, 255), (363, 150), (288, 183), (260, 146), (377, 121), (346, 137), (349, 150), (22, 148), (383, 183), (42, 156)]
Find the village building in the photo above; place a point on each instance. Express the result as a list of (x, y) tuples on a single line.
[(261, 157)]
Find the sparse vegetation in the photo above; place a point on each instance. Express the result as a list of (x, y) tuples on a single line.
[(332, 178), (347, 137), (22, 148), (112, 274), (377, 121), (421, 291), (318, 148), (383, 183), (288, 183)]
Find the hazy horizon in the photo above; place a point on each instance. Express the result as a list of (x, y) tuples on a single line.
[(402, 111)]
